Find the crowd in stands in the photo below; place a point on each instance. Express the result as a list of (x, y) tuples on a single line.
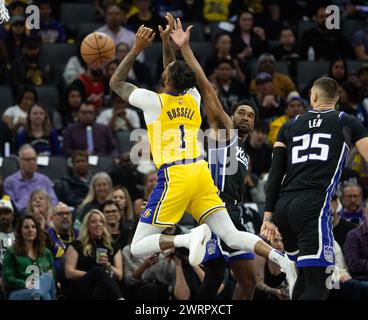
[(72, 194)]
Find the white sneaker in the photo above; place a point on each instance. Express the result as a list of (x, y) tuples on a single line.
[(199, 237), (289, 268)]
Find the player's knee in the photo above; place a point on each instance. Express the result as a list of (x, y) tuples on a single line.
[(232, 239)]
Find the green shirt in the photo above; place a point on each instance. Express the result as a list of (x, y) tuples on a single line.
[(14, 268)]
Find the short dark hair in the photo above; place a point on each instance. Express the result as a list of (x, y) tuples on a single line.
[(328, 85), (245, 102), (24, 90), (109, 202), (79, 153), (182, 76), (227, 61), (261, 126)]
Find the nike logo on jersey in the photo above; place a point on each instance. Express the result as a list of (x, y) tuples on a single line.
[(315, 123)]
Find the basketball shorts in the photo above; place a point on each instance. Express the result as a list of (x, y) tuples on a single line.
[(305, 223), (182, 187)]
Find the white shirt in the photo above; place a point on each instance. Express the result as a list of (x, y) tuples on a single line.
[(73, 70), (123, 35), (150, 102), (15, 112), (106, 115)]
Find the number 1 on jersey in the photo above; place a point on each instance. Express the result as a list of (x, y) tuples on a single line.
[(182, 132)]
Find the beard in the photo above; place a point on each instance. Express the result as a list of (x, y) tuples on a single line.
[(243, 129)]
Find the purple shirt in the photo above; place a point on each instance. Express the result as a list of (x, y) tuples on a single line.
[(356, 252), (355, 217), (20, 189), (75, 138)]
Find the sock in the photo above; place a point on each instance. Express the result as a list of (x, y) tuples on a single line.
[(276, 256), (182, 240)]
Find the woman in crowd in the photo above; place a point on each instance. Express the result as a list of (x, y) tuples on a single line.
[(115, 223), (39, 132), (15, 116), (39, 206), (99, 191), (122, 198), (93, 264), (28, 257)]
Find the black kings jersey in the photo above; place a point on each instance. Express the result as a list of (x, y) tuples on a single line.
[(228, 164), (318, 143)]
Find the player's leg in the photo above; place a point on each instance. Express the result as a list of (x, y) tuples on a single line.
[(315, 283), (214, 275), (245, 274)]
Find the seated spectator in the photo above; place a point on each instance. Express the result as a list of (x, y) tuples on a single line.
[(115, 223), (5, 137), (39, 206), (222, 47), (270, 105), (294, 106), (61, 235), (231, 89), (39, 132), (91, 84), (30, 69), (149, 182), (352, 203), (15, 38), (100, 141), (348, 288), (113, 26), (337, 70), (74, 68), (110, 68), (99, 190), (282, 84), (7, 237), (327, 43), (120, 116), (352, 101), (29, 249), (73, 189), (271, 281), (341, 227), (4, 63), (122, 198), (68, 110), (356, 252), (51, 30), (248, 41), (287, 50), (15, 116), (127, 9), (93, 263), (147, 16), (140, 73), (127, 175), (360, 43), (20, 185), (362, 75), (259, 152)]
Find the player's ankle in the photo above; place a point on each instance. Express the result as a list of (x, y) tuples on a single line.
[(182, 240)]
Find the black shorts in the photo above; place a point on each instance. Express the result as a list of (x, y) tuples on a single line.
[(305, 223)]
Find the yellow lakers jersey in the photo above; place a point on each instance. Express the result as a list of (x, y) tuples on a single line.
[(173, 136)]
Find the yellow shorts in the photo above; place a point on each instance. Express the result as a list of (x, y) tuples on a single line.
[(182, 187)]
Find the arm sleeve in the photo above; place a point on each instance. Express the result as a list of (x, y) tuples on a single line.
[(196, 95), (277, 172), (146, 100), (9, 272)]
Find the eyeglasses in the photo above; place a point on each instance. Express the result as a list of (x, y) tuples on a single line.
[(63, 213)]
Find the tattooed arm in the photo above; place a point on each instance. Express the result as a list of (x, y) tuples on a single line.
[(144, 37)]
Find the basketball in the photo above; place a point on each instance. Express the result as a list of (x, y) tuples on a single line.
[(97, 49)]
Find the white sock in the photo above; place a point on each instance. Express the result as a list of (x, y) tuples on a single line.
[(276, 256), (182, 240)]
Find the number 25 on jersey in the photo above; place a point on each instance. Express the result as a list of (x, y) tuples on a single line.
[(308, 142)]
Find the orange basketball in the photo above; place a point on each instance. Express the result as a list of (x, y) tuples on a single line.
[(97, 49)]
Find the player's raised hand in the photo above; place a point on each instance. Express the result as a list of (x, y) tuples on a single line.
[(179, 36), (165, 33), (143, 38)]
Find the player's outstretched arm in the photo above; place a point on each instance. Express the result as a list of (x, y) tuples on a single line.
[(168, 52), (214, 111), (144, 37)]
